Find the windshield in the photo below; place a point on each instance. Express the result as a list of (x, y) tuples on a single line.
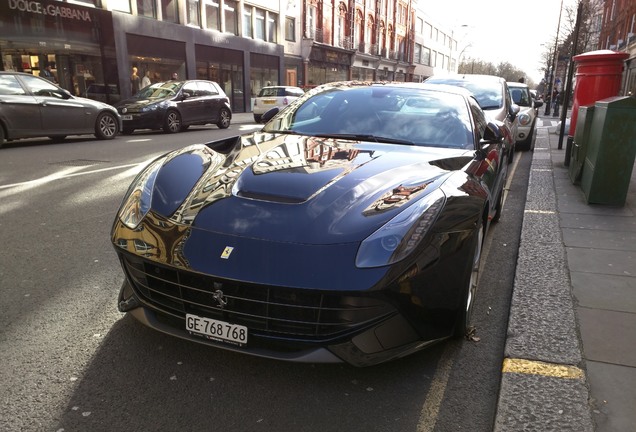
[(489, 93), (520, 96), (381, 113), (159, 90)]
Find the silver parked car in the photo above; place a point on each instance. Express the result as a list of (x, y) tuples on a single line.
[(527, 117), (32, 107), (492, 95)]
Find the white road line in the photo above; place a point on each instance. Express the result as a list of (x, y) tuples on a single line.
[(58, 176)]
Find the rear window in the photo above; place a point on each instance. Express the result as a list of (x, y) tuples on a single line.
[(271, 92), (294, 92)]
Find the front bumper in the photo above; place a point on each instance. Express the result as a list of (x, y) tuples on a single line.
[(386, 340)]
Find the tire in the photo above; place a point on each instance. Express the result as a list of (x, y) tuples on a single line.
[(172, 122), (3, 139), (463, 326), (511, 156), (257, 118), (106, 126), (224, 118)]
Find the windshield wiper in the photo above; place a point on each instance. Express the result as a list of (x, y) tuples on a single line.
[(366, 137)]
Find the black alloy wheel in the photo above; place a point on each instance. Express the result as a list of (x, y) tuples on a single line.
[(172, 122), (224, 118), (463, 327)]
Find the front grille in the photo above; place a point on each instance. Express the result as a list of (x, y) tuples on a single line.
[(267, 310)]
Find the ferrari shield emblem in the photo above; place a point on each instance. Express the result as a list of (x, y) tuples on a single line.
[(227, 252)]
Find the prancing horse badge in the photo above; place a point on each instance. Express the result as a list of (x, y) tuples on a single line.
[(227, 252)]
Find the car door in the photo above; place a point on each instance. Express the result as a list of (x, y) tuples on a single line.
[(19, 111), (60, 113), (212, 101), (191, 103)]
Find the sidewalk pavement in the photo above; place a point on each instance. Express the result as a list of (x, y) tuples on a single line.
[(570, 356)]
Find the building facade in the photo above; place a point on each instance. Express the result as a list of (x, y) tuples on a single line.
[(618, 33), (92, 46)]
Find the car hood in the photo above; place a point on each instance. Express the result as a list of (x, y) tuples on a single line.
[(297, 189), (93, 103), (132, 103)]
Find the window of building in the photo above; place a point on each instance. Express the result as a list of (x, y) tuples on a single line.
[(290, 29), (310, 23), (212, 15), (259, 24), (417, 54), (192, 7), (272, 27), (428, 31), (247, 22), (170, 10), (419, 26), (120, 5), (231, 16), (146, 8), (426, 56)]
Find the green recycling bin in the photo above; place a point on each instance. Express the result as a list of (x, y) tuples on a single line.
[(611, 150), (579, 145)]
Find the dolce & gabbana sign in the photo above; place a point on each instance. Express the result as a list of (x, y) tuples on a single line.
[(54, 10)]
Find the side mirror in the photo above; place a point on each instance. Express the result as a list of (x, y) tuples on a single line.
[(267, 116), (514, 110), (492, 134), (538, 104), (186, 95)]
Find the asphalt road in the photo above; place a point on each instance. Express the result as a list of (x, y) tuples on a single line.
[(69, 361)]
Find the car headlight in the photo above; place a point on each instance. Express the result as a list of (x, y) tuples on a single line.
[(153, 107), (524, 119), (402, 234), (139, 196)]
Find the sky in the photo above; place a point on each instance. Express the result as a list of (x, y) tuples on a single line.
[(503, 30)]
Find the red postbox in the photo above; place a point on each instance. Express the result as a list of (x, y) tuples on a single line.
[(598, 76)]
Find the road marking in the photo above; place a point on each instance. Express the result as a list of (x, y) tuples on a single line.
[(540, 211), (435, 395), (63, 175), (530, 367)]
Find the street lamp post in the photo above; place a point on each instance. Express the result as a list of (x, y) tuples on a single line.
[(552, 77)]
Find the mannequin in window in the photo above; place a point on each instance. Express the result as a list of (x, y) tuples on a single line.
[(135, 81)]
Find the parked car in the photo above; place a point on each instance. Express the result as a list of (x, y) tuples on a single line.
[(348, 229), (173, 106), (274, 96), (32, 107), (527, 117), (493, 97)]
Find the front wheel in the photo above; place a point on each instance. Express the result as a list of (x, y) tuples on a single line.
[(106, 126), (224, 118), (172, 122), (463, 327)]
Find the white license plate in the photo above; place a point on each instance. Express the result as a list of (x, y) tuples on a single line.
[(216, 330), (126, 117)]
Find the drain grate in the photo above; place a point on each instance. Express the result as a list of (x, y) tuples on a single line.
[(79, 162)]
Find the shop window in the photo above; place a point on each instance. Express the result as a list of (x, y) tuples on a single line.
[(147, 8), (247, 22), (272, 27), (231, 16), (193, 12), (212, 15), (290, 29), (170, 11)]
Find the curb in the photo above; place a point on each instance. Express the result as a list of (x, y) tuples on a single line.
[(543, 383)]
